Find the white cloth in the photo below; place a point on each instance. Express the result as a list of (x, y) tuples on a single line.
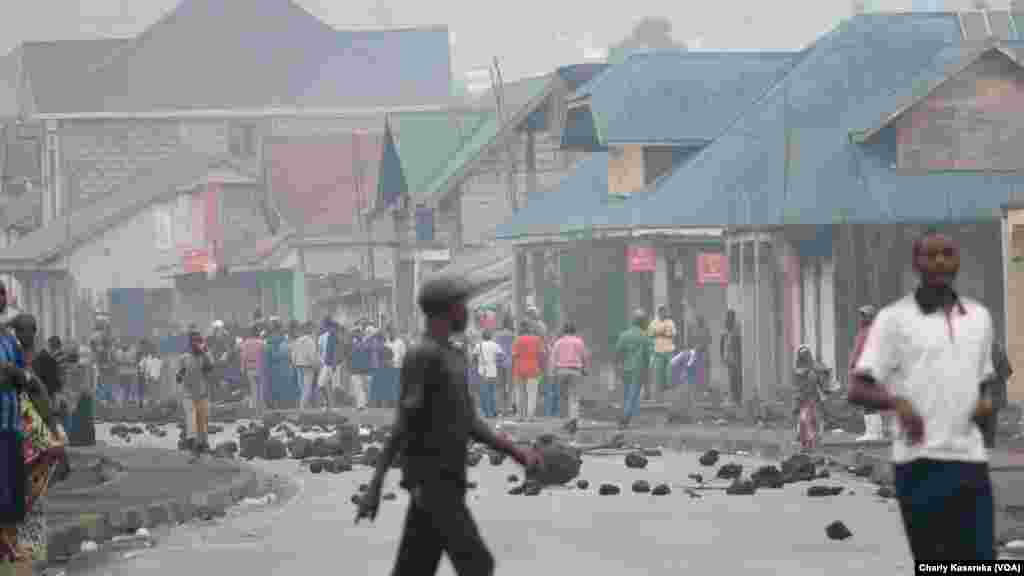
[(937, 362), (304, 352), (307, 374), (487, 353), (190, 416), (361, 389), (398, 350)]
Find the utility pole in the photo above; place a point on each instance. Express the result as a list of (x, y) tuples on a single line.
[(367, 214)]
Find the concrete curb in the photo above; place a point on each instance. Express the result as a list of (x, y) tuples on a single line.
[(65, 539)]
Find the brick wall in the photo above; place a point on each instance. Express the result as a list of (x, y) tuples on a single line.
[(972, 122)]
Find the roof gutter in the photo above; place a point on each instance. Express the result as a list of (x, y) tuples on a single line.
[(691, 233), (242, 113)]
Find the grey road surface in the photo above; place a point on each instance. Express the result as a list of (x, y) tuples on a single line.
[(562, 530)]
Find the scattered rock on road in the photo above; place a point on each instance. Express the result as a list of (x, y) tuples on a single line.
[(531, 488), (582, 484), (512, 478), (696, 478), (798, 468), (641, 487), (473, 458), (819, 491), (709, 458), (300, 448), (636, 460), (274, 449), (885, 492), (226, 449), (837, 531), (316, 467), (340, 464), (767, 477), (562, 463), (496, 458), (741, 488), (730, 471), (608, 490), (661, 490)]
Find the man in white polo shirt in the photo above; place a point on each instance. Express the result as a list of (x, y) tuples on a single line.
[(928, 358)]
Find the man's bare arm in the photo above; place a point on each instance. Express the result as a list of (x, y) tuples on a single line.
[(867, 393), (483, 433), (395, 440)]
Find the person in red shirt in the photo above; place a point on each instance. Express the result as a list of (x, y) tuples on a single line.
[(527, 363)]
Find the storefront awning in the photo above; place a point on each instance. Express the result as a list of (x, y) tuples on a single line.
[(493, 298)]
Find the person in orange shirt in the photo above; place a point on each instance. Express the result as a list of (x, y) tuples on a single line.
[(527, 362)]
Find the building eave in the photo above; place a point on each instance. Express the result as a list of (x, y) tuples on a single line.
[(241, 113)]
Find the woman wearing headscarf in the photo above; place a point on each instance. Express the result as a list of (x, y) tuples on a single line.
[(811, 381), (279, 366), (23, 536)]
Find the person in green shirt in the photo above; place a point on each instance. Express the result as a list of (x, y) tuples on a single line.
[(633, 353)]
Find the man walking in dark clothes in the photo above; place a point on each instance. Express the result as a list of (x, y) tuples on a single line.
[(731, 349), (928, 358), (434, 424)]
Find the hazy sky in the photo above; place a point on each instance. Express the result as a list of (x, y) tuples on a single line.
[(528, 36)]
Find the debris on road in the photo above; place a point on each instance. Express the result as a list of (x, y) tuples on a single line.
[(819, 491), (608, 490), (582, 484), (730, 471), (661, 490), (768, 477), (636, 460), (741, 488), (709, 458), (838, 531), (641, 487)]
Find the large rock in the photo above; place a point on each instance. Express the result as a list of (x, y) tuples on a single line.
[(562, 463), (709, 458), (767, 477), (275, 449), (300, 448), (741, 488), (837, 531), (252, 444), (226, 449), (348, 440), (819, 491), (608, 490), (730, 471), (798, 468), (661, 490), (641, 486), (636, 460)]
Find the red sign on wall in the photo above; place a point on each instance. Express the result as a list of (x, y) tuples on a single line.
[(642, 258), (712, 268)]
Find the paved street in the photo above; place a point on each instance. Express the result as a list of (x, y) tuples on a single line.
[(771, 532)]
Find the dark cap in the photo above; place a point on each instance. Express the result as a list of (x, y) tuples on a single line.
[(437, 294)]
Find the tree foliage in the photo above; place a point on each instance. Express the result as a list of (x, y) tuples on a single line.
[(650, 33)]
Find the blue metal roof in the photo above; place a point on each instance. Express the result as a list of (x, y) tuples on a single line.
[(850, 79), (672, 96), (572, 206)]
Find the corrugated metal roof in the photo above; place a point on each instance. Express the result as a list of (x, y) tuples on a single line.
[(234, 54), (673, 96), (573, 205), (151, 183), (428, 141), (55, 71), (314, 179), (434, 148), (845, 82)]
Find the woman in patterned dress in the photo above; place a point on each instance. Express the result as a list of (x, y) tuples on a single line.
[(43, 440)]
